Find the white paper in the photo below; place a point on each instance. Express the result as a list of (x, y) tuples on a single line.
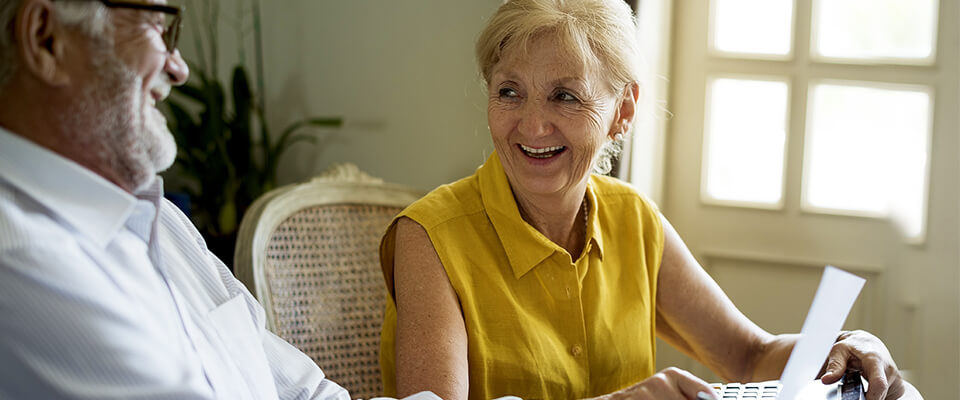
[(424, 395), (835, 297), (428, 395)]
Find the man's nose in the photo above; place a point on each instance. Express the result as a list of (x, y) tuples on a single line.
[(177, 69)]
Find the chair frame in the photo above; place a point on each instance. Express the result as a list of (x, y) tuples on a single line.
[(341, 184)]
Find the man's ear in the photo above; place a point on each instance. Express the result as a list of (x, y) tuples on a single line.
[(627, 109), (41, 42)]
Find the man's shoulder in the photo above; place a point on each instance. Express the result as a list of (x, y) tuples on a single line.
[(27, 223), (176, 224), (187, 257)]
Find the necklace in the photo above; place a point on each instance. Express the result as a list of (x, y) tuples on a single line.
[(585, 207)]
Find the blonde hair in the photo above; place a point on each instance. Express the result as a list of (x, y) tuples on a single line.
[(598, 33)]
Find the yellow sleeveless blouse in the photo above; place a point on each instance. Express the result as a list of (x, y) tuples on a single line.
[(539, 324)]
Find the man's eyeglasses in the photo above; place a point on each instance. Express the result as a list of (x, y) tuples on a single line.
[(172, 15)]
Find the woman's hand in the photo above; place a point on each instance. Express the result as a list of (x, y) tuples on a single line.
[(669, 384), (859, 350)]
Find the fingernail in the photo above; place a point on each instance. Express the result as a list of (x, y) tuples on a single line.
[(704, 396)]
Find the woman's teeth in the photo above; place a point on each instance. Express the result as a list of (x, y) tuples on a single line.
[(545, 152)]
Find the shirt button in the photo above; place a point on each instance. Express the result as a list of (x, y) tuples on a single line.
[(576, 350)]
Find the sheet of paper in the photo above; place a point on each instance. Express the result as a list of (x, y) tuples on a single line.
[(831, 305), (424, 395)]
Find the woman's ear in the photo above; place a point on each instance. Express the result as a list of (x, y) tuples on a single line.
[(40, 42), (626, 110)]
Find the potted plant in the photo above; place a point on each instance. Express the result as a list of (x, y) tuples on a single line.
[(226, 154)]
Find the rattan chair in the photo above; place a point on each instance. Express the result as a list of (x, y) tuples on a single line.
[(309, 253)]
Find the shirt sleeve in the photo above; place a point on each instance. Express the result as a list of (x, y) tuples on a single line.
[(296, 375), (67, 334)]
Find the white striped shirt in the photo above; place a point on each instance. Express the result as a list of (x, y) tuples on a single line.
[(104, 297)]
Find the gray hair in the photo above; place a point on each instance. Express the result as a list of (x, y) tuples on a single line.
[(88, 17)]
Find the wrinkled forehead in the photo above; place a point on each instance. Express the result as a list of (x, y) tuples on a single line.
[(574, 52), (572, 57)]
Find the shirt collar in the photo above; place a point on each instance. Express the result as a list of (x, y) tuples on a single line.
[(142, 221), (525, 246), (594, 232), (89, 203)]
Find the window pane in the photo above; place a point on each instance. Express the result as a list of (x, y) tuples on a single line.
[(762, 27), (744, 141), (867, 152), (875, 29)]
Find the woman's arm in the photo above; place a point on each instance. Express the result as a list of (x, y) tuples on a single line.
[(694, 315), (431, 342)]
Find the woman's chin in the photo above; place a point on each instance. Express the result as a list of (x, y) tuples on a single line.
[(541, 185), (541, 176)]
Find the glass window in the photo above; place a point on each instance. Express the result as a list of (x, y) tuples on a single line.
[(867, 151), (753, 27), (897, 31), (744, 142)]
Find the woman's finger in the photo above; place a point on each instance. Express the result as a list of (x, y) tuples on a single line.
[(836, 364), (690, 385), (876, 379), (895, 387)]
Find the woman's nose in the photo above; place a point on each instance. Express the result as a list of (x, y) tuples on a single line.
[(533, 120)]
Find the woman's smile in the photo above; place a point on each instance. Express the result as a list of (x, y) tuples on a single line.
[(549, 115), (541, 153)]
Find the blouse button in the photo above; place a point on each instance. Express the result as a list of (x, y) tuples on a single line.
[(576, 350)]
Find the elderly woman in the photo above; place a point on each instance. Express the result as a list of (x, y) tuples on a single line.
[(534, 277)]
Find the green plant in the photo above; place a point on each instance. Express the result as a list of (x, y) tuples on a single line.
[(227, 154)]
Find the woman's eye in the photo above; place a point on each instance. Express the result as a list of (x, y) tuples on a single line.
[(566, 97), (508, 93)]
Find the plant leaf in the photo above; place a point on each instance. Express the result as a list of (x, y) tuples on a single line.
[(319, 122), (227, 218), (301, 137), (242, 96), (184, 126), (270, 169), (191, 91), (239, 143)]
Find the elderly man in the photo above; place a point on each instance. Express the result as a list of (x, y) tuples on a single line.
[(106, 290)]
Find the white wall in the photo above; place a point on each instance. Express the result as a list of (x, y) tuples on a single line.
[(401, 74)]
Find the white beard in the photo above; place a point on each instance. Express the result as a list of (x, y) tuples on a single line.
[(126, 136)]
